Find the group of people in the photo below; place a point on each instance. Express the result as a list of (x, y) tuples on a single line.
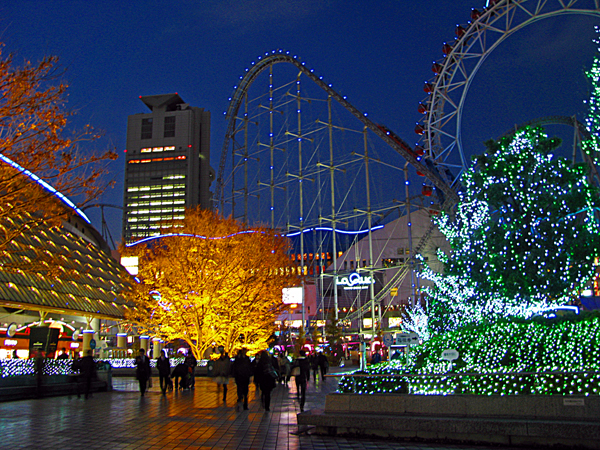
[(267, 371), (183, 374)]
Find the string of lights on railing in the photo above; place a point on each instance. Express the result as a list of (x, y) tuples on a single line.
[(512, 358), (26, 367)]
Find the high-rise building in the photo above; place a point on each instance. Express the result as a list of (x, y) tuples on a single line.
[(167, 165)]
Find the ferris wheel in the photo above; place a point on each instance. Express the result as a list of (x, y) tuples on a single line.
[(440, 128)]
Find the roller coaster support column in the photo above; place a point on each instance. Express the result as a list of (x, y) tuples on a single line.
[(300, 188), (333, 212), (369, 224), (409, 230)]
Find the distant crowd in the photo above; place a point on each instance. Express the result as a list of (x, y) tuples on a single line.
[(266, 370)]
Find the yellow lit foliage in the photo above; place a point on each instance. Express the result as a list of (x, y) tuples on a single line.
[(32, 134), (223, 288)]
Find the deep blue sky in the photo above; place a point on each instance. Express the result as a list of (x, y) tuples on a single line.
[(378, 54)]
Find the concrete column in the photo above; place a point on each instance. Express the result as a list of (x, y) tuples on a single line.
[(158, 345), (87, 337), (122, 340), (144, 343), (96, 328), (121, 345)]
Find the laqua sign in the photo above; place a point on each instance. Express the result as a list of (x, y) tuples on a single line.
[(355, 281)]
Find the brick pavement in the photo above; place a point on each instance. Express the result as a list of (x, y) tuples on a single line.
[(195, 419)]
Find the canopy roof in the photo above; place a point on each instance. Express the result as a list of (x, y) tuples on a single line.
[(62, 269)]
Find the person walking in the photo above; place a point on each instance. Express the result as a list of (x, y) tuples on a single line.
[(180, 375), (275, 362), (376, 359), (222, 371), (256, 375), (87, 369), (39, 364), (284, 369), (323, 365), (301, 371), (191, 362), (267, 378), (164, 370), (314, 365), (142, 371), (242, 372)]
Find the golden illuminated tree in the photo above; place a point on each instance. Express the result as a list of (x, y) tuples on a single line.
[(34, 140), (212, 282)]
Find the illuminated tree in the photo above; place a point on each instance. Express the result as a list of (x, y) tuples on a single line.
[(592, 121), (212, 282), (33, 140), (415, 319), (524, 236)]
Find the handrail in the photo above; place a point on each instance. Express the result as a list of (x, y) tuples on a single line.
[(455, 374)]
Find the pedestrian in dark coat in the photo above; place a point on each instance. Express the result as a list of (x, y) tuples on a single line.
[(314, 365), (242, 372), (301, 368), (323, 364), (192, 362), (87, 369), (180, 374), (40, 362), (164, 370), (267, 378), (142, 371), (256, 374), (275, 362)]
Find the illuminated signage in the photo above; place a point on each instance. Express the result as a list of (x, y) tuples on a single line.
[(10, 342), (131, 264), (292, 295), (355, 281), (394, 322)]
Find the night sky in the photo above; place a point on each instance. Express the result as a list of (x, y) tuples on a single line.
[(378, 54)]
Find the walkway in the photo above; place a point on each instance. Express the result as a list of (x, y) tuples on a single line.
[(194, 419)]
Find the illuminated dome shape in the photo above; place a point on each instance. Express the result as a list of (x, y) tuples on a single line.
[(64, 269)]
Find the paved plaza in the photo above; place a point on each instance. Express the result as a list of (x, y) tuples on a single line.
[(191, 419)]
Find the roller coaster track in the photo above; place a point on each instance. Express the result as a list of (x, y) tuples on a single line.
[(440, 127), (404, 149)]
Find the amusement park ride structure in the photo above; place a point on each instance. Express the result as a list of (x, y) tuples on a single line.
[(290, 161)]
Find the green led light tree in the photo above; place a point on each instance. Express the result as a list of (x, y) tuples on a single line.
[(592, 121), (524, 236)]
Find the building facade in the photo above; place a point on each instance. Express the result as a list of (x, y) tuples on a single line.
[(167, 165), (392, 246)]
